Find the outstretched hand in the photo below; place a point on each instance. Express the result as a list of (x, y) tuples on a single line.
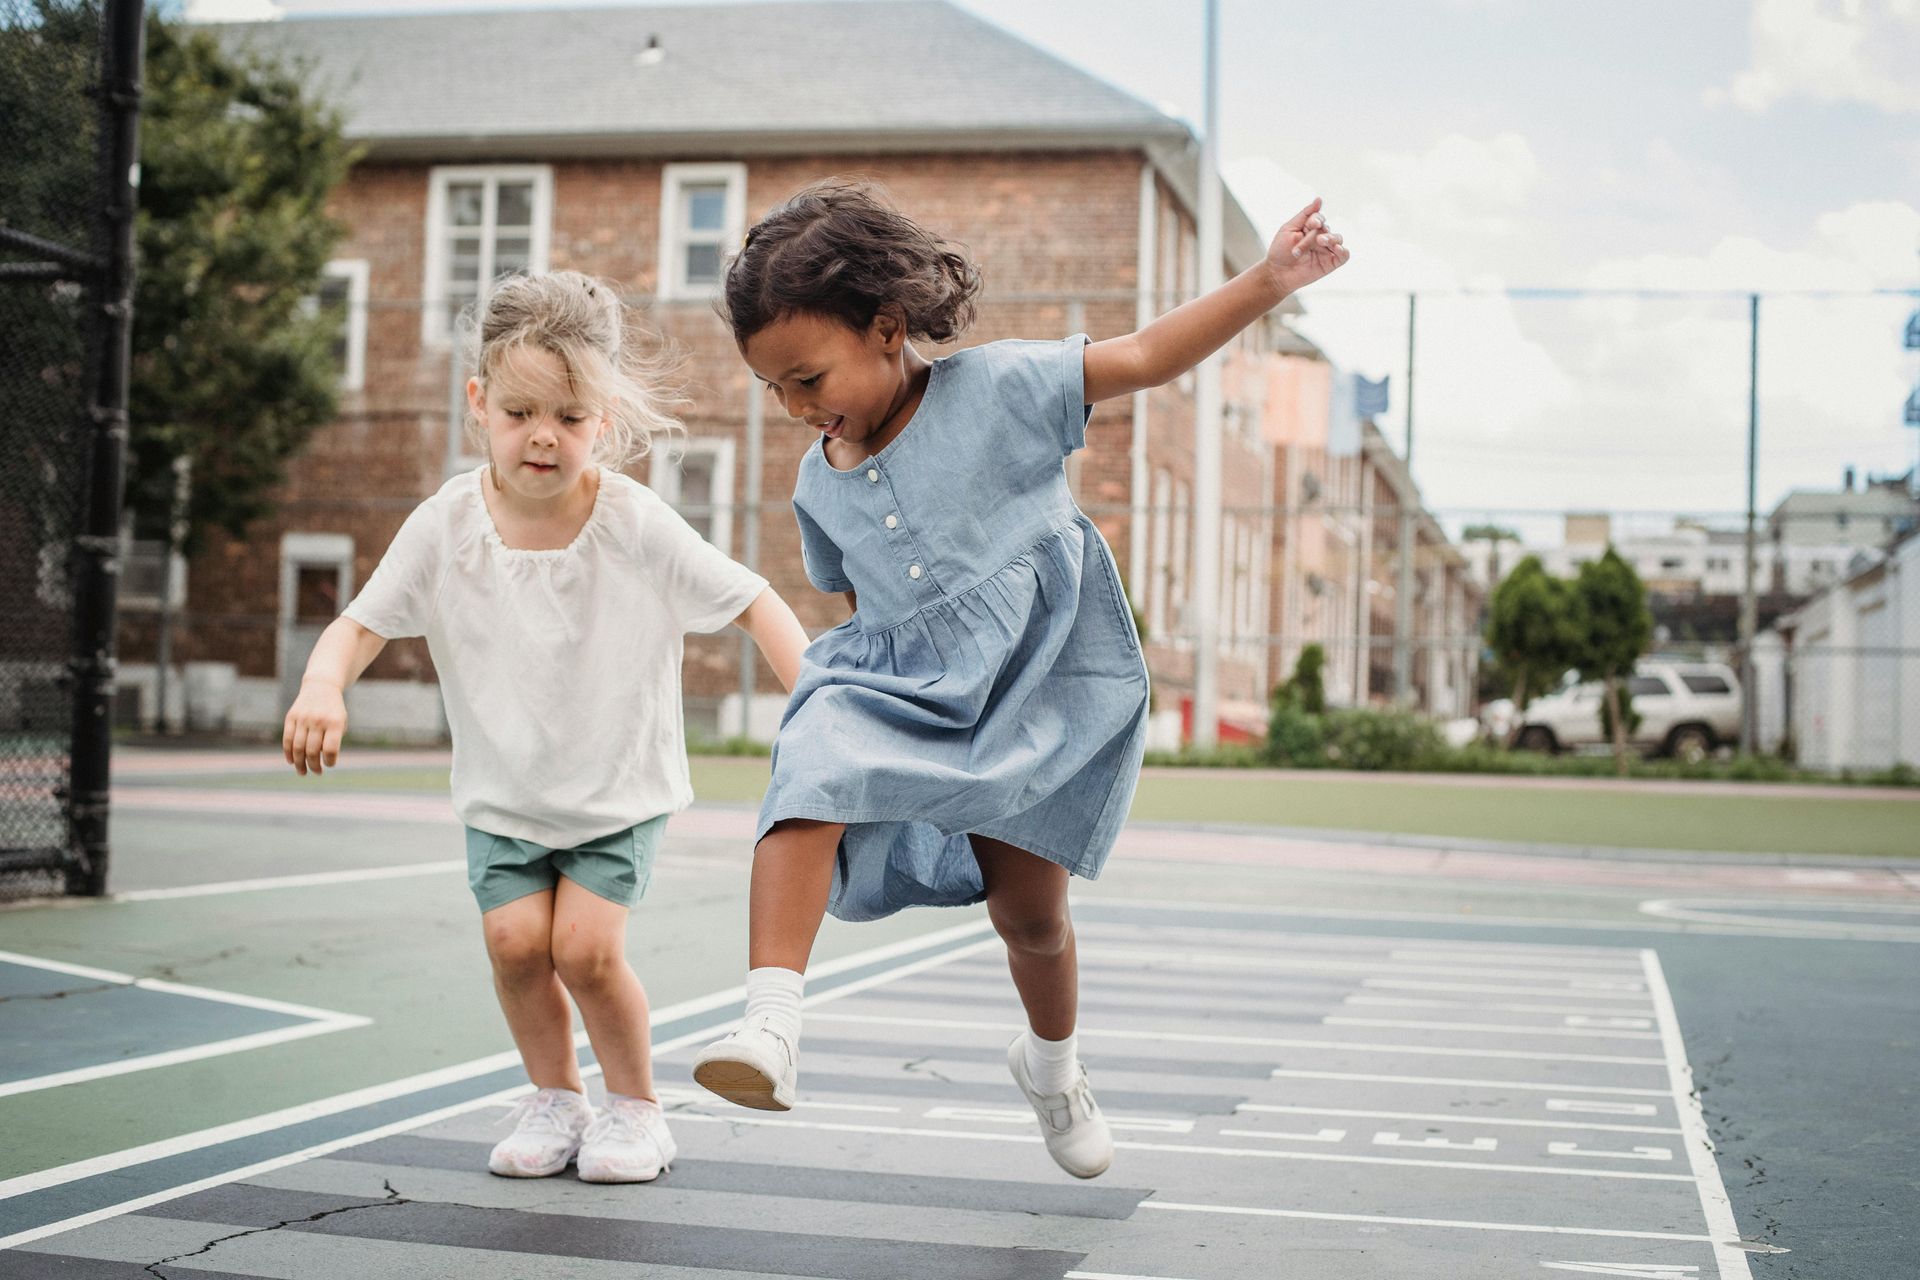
[(1305, 250)]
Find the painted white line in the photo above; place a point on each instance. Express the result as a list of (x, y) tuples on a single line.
[(1579, 1106), (1499, 922), (293, 882), (1024, 1117), (1384, 1220), (1363, 964), (1711, 911), (1627, 1270), (1482, 1006), (1267, 1108), (173, 1057), (315, 1022), (1491, 989), (1252, 1042), (290, 1116), (670, 1096), (1111, 1275), (1487, 1028), (1284, 1073), (1390, 1138), (1514, 950), (1706, 1174), (1319, 1135), (1661, 1154), (1177, 1148), (1583, 964)]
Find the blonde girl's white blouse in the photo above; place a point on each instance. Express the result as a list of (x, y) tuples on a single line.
[(560, 670)]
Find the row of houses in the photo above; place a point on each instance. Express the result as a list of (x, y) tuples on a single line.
[(636, 144)]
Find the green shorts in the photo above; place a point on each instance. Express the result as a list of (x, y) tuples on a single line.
[(616, 867)]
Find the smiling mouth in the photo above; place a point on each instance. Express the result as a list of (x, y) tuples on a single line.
[(832, 426)]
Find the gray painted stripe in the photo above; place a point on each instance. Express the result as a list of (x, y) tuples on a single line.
[(801, 1182), (1203, 1008), (916, 1051), (917, 1087), (25, 1264), (659, 1243)]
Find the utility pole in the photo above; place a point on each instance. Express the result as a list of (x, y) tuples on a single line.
[(1206, 417), (1749, 603), (1403, 613)]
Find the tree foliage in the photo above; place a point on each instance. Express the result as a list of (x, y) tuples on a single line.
[(1534, 630), (1616, 626), (233, 364)]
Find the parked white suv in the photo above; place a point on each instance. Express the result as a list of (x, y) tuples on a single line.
[(1686, 709)]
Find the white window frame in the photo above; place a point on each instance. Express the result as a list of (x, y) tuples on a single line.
[(308, 550), (356, 272), (435, 332), (674, 239), (663, 475)]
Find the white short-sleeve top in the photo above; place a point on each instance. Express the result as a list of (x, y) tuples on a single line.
[(560, 669)]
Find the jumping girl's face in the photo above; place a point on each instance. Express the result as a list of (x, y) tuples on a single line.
[(540, 435), (847, 384)]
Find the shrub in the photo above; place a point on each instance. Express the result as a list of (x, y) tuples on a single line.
[(1365, 738)]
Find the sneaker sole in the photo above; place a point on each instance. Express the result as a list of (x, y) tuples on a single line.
[(740, 1084), (511, 1172), (610, 1179)]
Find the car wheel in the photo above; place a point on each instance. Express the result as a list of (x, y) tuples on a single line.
[(1690, 744), (1537, 738)]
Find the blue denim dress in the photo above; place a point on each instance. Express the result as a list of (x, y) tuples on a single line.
[(991, 680)]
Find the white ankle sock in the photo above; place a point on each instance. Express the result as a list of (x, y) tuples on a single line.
[(1052, 1065), (774, 993)]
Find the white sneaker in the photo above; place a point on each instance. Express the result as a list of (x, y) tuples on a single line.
[(627, 1142), (1077, 1135), (754, 1067), (548, 1125)]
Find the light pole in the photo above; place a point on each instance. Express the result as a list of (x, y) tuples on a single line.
[(1206, 416)]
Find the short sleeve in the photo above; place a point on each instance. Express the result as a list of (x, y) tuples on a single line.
[(703, 587), (819, 554), (397, 601), (1047, 380)]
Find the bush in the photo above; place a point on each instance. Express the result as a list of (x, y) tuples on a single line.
[(1295, 738), (1363, 738)]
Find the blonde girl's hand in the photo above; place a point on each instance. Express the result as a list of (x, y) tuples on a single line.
[(1305, 250), (315, 724)]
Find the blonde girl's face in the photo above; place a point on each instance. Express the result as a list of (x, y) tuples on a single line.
[(540, 433)]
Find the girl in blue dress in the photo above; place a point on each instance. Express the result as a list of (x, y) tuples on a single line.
[(974, 731)]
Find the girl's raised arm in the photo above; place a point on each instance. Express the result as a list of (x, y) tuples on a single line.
[(777, 632), (1304, 251)]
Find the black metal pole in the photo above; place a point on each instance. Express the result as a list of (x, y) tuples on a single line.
[(97, 546)]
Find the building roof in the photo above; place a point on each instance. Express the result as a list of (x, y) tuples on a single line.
[(760, 77)]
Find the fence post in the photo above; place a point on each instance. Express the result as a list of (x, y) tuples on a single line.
[(97, 546)]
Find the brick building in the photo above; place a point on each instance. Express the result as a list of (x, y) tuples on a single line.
[(636, 144)]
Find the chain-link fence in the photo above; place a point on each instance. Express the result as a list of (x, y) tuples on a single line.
[(66, 78)]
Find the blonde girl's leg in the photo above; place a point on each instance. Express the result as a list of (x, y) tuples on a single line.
[(519, 938), (590, 957), (550, 1123)]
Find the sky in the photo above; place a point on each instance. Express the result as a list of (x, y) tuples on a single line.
[(1716, 147)]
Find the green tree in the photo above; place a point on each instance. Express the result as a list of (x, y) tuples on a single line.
[(233, 366), (1533, 629), (1306, 688), (1615, 628)]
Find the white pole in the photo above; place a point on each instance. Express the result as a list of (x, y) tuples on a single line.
[(1206, 420)]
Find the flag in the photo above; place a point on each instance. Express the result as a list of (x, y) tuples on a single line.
[(1369, 397)]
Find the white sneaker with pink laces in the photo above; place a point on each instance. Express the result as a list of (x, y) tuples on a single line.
[(627, 1142), (547, 1128)]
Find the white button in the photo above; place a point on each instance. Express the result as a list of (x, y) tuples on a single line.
[(873, 476), (914, 572), (893, 522)]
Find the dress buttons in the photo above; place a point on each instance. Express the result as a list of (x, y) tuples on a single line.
[(873, 475), (914, 572), (893, 522)]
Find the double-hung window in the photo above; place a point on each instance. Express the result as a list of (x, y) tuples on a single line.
[(702, 217), (482, 223)]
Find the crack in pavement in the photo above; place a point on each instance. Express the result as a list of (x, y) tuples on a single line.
[(62, 995), (393, 1198)]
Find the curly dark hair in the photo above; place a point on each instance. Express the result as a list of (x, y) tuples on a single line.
[(839, 249)]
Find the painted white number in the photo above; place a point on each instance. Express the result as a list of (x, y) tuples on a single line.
[(1638, 1153), (1435, 1144)]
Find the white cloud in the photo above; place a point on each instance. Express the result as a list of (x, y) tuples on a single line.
[(1462, 183), (233, 11), (1621, 403), (1861, 51)]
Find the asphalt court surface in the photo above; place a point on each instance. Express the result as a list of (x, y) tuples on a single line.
[(1404, 1105), (1382, 1077)]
